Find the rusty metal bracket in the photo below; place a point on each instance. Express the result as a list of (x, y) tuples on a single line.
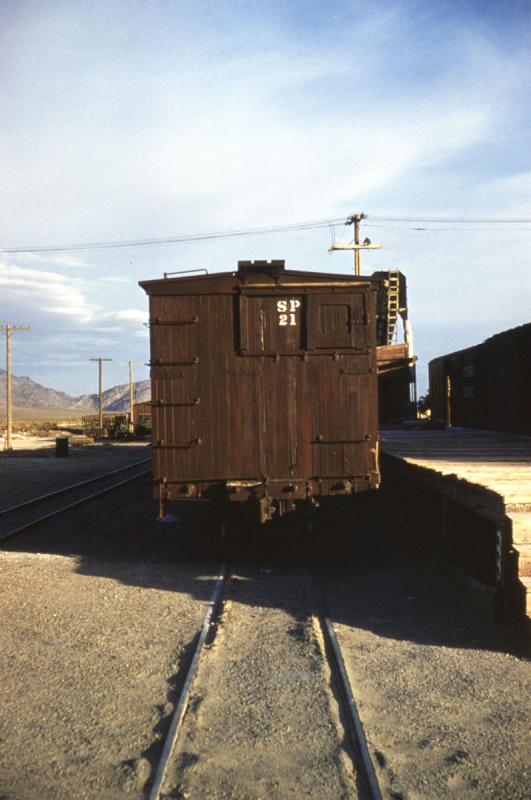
[(158, 362), (165, 404), (161, 445), (265, 509), (320, 440), (158, 321)]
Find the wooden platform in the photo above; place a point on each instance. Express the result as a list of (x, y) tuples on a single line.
[(489, 473)]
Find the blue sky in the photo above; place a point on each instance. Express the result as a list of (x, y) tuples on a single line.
[(132, 120)]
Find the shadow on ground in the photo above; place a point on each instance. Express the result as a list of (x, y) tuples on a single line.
[(375, 577)]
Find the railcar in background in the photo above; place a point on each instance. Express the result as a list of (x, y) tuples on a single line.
[(264, 386), (487, 386), (118, 426)]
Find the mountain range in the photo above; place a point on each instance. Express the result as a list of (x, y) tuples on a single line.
[(27, 393)]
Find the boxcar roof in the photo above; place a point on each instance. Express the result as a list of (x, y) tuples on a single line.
[(263, 274), (494, 339)]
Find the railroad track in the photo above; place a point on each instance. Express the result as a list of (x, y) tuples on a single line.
[(354, 728), (21, 517), (167, 774)]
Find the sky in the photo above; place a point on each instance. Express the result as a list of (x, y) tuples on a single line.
[(138, 120)]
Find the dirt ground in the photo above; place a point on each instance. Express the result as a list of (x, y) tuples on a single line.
[(86, 669), (443, 692), (98, 614), (263, 722), (33, 469)]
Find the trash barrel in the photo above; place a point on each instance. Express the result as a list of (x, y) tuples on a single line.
[(61, 447)]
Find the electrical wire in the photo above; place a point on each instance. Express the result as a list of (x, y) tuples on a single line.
[(440, 229), (269, 229), (195, 237), (463, 220)]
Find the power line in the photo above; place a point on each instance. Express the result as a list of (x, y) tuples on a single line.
[(440, 229), (194, 237), (464, 220), (269, 229)]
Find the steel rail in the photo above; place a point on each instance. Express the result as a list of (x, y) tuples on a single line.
[(182, 705), (44, 517), (66, 489), (355, 727)]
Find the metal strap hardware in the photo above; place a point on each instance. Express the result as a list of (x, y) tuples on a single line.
[(165, 404), (157, 321), (275, 288), (162, 445), (305, 354), (159, 363), (354, 372), (320, 440)]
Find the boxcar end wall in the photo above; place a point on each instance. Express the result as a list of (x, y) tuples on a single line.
[(264, 384)]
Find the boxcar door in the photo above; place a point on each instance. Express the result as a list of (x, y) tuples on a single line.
[(272, 340), (342, 381)]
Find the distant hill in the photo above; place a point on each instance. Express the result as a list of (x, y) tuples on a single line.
[(28, 394), (116, 398)]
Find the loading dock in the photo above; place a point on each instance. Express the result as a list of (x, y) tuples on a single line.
[(468, 494)]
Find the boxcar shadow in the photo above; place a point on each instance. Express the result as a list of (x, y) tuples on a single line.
[(374, 577)]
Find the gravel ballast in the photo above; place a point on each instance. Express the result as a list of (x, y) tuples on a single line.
[(86, 665), (263, 721), (99, 609), (443, 692), (25, 474), (97, 613)]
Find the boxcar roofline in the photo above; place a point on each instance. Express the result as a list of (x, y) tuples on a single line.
[(474, 347), (230, 281), (443, 358)]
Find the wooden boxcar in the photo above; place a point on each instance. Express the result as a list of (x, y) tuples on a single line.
[(487, 386), (264, 386)]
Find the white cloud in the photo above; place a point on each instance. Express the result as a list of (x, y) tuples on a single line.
[(37, 293), (510, 193), (55, 259), (211, 120), (114, 279), (127, 315), (43, 295), (239, 139)]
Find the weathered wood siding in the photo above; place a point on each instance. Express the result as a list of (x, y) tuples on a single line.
[(257, 379)]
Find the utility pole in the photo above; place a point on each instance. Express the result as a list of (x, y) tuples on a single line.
[(355, 220), (131, 398), (100, 361), (131, 394), (9, 329)]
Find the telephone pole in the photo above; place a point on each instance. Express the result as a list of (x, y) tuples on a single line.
[(9, 329), (131, 394), (100, 361), (355, 220)]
